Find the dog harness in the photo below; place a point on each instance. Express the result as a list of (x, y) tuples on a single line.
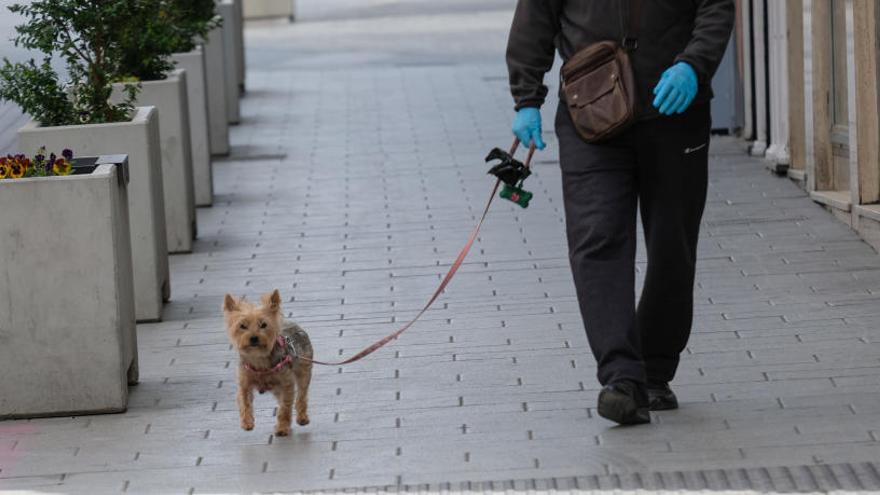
[(286, 344)]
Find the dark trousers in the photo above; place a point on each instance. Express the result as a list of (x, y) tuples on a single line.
[(659, 166)]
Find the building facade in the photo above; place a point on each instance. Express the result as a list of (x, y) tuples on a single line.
[(811, 99)]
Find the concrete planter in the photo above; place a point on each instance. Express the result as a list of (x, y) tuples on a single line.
[(169, 96), (197, 97), (215, 75), (139, 139), (265, 9), (228, 10), (239, 45), (67, 323)]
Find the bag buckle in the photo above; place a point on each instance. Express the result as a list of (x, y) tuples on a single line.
[(630, 43)]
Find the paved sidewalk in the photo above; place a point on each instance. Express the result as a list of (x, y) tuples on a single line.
[(354, 179)]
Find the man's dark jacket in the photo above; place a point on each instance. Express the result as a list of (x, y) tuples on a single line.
[(670, 31)]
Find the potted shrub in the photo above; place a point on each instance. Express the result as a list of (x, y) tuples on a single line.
[(194, 20), (144, 43), (77, 113), (67, 324)]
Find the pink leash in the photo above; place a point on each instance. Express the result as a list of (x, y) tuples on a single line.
[(446, 280)]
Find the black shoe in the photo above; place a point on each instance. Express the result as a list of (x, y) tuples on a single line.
[(661, 397), (624, 403)]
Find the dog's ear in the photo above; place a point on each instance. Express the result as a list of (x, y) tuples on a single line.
[(273, 301), (230, 304)]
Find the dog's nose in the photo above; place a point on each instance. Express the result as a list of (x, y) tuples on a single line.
[(255, 340)]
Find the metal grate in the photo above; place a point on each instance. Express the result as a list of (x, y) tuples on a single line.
[(798, 479)]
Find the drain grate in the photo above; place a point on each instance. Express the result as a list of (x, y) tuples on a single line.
[(799, 479)]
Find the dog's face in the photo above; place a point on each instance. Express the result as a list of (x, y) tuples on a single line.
[(253, 329)]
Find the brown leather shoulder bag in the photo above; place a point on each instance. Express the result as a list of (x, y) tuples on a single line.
[(599, 86)]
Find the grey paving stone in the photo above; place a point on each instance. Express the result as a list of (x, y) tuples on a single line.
[(353, 180)]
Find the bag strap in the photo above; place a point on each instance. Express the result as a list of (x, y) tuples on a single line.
[(631, 34)]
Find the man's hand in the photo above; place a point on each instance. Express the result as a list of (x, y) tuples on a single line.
[(676, 90), (527, 127)]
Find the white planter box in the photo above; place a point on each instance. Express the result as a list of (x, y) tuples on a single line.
[(263, 9), (215, 75), (194, 65), (139, 139), (67, 322), (228, 10), (170, 99)]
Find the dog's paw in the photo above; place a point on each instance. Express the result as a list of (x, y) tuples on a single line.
[(282, 431), (247, 424), (302, 421)]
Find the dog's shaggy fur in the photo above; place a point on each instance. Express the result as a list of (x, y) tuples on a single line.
[(254, 332)]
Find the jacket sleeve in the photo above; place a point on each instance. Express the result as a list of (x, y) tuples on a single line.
[(712, 28), (531, 49)]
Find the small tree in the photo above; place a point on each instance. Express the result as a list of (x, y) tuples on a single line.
[(84, 33), (156, 29), (145, 41), (192, 20)]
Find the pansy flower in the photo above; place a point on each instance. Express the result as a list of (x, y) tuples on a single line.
[(61, 167), (18, 166), (67, 154), (4, 168), (25, 162), (39, 164)]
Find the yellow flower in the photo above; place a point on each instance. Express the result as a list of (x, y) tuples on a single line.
[(18, 167), (61, 167), (4, 169)]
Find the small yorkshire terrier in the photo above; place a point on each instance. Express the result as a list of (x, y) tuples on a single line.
[(271, 352)]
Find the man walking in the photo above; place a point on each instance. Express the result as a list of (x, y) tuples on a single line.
[(658, 165)]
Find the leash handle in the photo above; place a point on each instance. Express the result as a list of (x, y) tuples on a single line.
[(515, 146)]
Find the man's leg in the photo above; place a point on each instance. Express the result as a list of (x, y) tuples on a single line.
[(673, 175), (599, 186)]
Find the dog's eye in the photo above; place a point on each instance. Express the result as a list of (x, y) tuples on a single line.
[(243, 326), (263, 324)]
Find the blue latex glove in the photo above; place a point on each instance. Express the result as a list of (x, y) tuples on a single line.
[(527, 127), (676, 90)]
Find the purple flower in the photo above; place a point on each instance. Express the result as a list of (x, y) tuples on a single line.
[(67, 154), (50, 163)]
